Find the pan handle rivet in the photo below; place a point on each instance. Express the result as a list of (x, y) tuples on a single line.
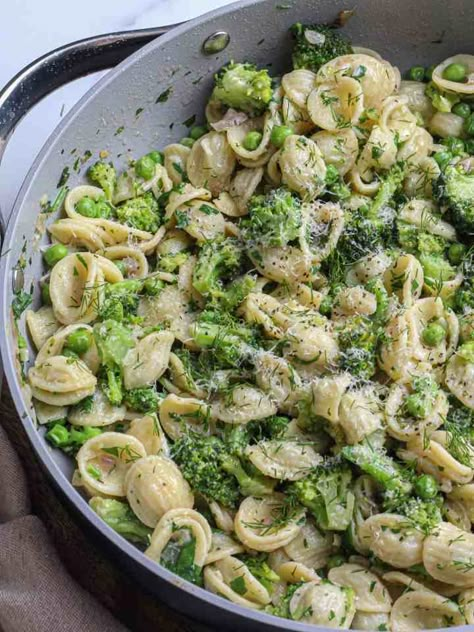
[(216, 43)]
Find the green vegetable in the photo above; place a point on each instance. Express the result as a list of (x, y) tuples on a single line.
[(156, 156), (145, 167), (336, 560), (45, 295), (86, 206), (121, 265), (426, 487), (416, 73), (140, 212), (455, 145), (187, 141), (469, 125), (273, 220), (421, 400), (464, 296), (113, 341), (79, 341), (121, 518), (441, 101), (252, 140), (326, 493), (455, 72), (236, 292), (69, 438), (178, 556), (469, 143), (54, 254), (316, 44), (104, 175), (455, 189), (254, 484), (466, 351), (429, 72), (456, 253), (58, 435), (143, 400), (423, 516), (243, 87), (437, 269), (279, 134), (433, 334), (260, 569), (358, 344), (197, 131), (229, 341), (461, 109), (443, 158), (120, 300), (216, 261)]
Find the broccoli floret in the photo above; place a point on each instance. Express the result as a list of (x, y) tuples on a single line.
[(259, 568), (420, 402), (178, 556), (216, 260), (378, 289), (282, 608), (143, 400), (120, 301), (436, 269), (441, 101), (424, 516), (464, 297), (358, 344), (454, 188), (121, 518), (254, 484), (273, 220), (104, 175), (238, 437), (326, 492), (243, 87), (414, 240), (113, 341), (141, 212), (69, 438), (336, 188), (236, 292), (390, 184), (171, 262), (381, 468), (316, 44)]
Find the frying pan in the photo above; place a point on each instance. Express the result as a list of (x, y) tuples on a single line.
[(164, 78)]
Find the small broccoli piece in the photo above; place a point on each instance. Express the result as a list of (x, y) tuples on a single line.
[(358, 344), (464, 297), (436, 269), (381, 468), (259, 568), (441, 101), (216, 260), (424, 516), (178, 556), (121, 518), (326, 493), (336, 188), (113, 341), (141, 212), (254, 484), (143, 400), (238, 437), (390, 184), (378, 289), (171, 262), (454, 188), (421, 400), (459, 426), (104, 175), (199, 458), (67, 437), (414, 240), (120, 301), (236, 292), (282, 608), (316, 44), (243, 87), (273, 220)]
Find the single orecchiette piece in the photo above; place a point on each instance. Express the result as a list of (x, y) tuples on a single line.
[(176, 157), (55, 344), (148, 360), (338, 148), (276, 376), (60, 382), (359, 414), (181, 414), (171, 308), (101, 413), (393, 539), (222, 545), (404, 278), (229, 572), (147, 429), (448, 555), (261, 524), (370, 593), (298, 84), (154, 485), (135, 261), (424, 610), (45, 413), (322, 225), (288, 458), (418, 101), (311, 347), (178, 526), (446, 124), (323, 604), (327, 395), (302, 166), (460, 379), (465, 495), (42, 324), (466, 601), (283, 264), (311, 546), (354, 300), (211, 162), (421, 213), (370, 621), (460, 87), (333, 105), (243, 404), (104, 461)]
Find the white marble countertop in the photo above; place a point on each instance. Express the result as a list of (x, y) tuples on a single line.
[(29, 29)]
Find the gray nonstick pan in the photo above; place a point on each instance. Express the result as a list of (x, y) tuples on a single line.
[(126, 114)]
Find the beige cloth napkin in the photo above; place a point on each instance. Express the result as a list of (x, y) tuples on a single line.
[(36, 592)]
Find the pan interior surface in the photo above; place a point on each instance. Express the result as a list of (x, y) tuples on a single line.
[(145, 103)]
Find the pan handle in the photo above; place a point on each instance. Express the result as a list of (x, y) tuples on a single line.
[(62, 65)]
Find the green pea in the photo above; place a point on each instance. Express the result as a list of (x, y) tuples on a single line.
[(442, 158), (454, 144), (87, 207), (336, 560), (58, 435), (433, 334), (455, 72), (469, 143), (121, 266), (325, 307), (461, 109), (469, 125), (456, 253), (252, 140), (78, 341), (156, 156), (54, 254), (45, 295), (145, 167), (187, 141), (279, 133), (69, 353), (429, 73), (416, 73), (197, 131), (103, 208), (426, 487)]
